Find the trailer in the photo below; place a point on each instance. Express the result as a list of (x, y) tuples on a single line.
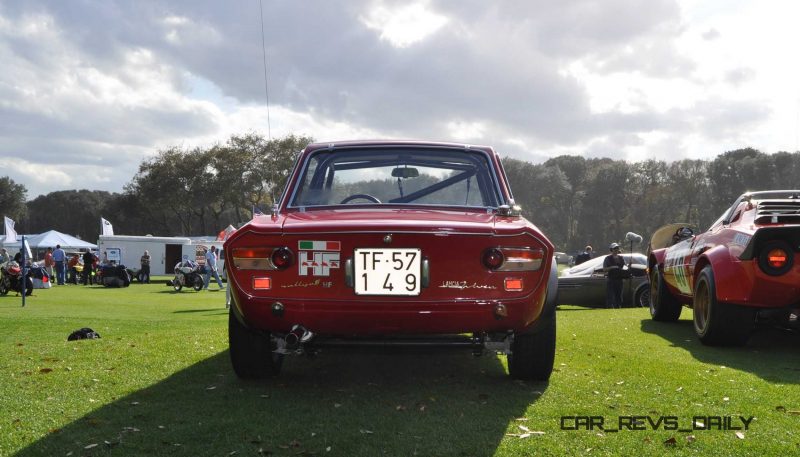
[(165, 252)]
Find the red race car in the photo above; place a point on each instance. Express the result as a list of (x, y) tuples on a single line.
[(392, 243), (740, 271)]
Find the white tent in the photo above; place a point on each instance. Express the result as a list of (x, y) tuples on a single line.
[(50, 240)]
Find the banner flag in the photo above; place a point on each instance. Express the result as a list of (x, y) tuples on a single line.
[(11, 234), (106, 228)]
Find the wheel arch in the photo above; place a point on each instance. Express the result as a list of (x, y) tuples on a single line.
[(727, 274)]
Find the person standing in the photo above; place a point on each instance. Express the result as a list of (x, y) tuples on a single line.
[(4, 257), (613, 266), (211, 268), (584, 256), (60, 259), (49, 263), (144, 273), (88, 267)]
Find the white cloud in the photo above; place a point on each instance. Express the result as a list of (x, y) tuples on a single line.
[(403, 25), (679, 78)]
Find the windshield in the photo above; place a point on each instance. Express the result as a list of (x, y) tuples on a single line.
[(398, 177)]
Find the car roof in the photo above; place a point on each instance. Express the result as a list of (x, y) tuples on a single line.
[(394, 143), (590, 265)]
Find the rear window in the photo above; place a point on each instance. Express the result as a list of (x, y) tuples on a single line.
[(397, 177)]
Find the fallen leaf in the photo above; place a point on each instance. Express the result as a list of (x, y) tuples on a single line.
[(795, 412), (524, 435), (523, 428), (134, 403), (161, 427), (679, 389), (700, 424), (740, 435), (422, 408), (691, 439), (671, 442), (521, 419), (328, 449), (212, 388), (233, 452), (780, 409), (399, 408), (337, 405), (366, 432), (619, 383), (45, 370), (725, 399), (90, 446)]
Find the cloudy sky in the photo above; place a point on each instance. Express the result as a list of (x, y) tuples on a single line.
[(88, 89)]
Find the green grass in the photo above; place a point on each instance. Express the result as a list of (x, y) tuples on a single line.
[(159, 382)]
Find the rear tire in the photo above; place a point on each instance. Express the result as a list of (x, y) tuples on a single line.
[(176, 284), (251, 353), (641, 298), (663, 306), (532, 354), (28, 286), (719, 324), (3, 286), (197, 284)]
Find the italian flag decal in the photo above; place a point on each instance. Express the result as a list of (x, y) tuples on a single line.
[(319, 245)]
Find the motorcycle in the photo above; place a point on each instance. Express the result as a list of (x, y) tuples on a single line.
[(187, 275), (10, 273), (113, 276)]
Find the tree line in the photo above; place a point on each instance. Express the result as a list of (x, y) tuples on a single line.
[(578, 201), (177, 192), (574, 200)]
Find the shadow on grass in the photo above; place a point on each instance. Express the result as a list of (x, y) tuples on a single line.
[(219, 309), (339, 403), (771, 353)]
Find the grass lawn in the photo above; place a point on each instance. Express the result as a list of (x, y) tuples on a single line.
[(159, 382)]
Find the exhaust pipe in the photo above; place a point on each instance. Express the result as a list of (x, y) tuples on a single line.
[(298, 336)]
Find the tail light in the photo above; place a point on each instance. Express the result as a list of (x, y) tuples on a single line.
[(269, 258), (513, 259), (493, 258), (776, 258), (282, 258)]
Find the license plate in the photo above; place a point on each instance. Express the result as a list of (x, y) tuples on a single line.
[(387, 271)]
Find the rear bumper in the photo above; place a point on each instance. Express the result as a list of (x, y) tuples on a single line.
[(377, 318)]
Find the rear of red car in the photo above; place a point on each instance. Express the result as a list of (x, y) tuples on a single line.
[(391, 269)]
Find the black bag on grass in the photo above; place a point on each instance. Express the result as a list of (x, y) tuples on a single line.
[(83, 334)]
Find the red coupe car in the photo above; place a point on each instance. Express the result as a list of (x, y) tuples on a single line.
[(740, 271), (392, 243)]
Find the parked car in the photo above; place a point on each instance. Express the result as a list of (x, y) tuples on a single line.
[(585, 284), (392, 243), (739, 270)]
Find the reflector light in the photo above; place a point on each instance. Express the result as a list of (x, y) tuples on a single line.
[(262, 283), (513, 284)]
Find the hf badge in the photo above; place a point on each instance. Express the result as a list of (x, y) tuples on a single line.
[(318, 257)]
